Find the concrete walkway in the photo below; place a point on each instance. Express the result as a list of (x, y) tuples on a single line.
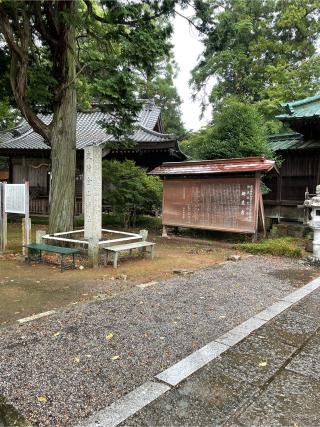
[(269, 378)]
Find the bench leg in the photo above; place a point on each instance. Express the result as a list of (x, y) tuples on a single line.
[(105, 258), (152, 252), (40, 256), (61, 263), (73, 262), (130, 253), (115, 260)]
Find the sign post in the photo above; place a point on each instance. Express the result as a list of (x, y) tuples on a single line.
[(3, 220), (14, 198)]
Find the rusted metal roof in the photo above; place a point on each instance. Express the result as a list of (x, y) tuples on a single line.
[(221, 166), (4, 175)]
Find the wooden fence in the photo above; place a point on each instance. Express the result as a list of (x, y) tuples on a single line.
[(40, 206)]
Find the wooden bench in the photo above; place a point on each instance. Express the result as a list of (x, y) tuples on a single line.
[(127, 247), (41, 247)]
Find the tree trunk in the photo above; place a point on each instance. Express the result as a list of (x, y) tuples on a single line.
[(63, 146)]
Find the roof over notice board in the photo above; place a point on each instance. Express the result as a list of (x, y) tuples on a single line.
[(221, 166)]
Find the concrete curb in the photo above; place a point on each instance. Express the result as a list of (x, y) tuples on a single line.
[(35, 316), (127, 405)]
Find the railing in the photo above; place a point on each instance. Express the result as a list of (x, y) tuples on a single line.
[(41, 206)]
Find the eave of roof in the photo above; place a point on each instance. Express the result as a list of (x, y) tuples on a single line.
[(89, 131), (302, 109), (221, 166), (292, 142)]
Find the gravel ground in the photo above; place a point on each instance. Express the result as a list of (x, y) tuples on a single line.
[(58, 370)]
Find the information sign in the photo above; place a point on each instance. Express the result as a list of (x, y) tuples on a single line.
[(229, 204), (15, 199)]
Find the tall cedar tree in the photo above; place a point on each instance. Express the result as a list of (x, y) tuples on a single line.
[(160, 86), (61, 49), (263, 51)]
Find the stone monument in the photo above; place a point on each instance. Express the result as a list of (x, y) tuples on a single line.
[(93, 200)]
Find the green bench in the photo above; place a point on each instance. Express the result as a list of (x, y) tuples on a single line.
[(41, 247)]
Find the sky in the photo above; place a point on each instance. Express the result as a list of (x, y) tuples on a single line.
[(187, 48)]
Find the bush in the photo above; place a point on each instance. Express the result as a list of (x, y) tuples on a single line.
[(129, 190), (286, 246)]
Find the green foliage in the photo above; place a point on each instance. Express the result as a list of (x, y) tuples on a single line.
[(263, 51), (3, 164), (161, 88), (8, 116), (285, 246), (129, 190), (238, 131)]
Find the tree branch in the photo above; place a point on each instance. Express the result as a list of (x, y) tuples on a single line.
[(39, 23), (128, 23), (190, 21), (19, 68)]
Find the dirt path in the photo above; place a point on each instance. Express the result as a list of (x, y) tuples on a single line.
[(28, 289)]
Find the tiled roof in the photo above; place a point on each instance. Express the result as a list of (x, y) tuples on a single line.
[(291, 141), (208, 167), (89, 131), (304, 108)]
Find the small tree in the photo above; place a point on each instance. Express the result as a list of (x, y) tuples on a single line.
[(129, 190), (238, 131)]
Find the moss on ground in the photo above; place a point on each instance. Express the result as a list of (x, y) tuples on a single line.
[(284, 246)]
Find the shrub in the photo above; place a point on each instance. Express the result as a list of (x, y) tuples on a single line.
[(129, 190), (286, 246)]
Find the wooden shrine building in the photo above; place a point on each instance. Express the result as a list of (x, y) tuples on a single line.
[(29, 156), (299, 151)]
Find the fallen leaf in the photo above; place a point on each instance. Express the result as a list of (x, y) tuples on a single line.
[(41, 399), (56, 334), (76, 359), (263, 364), (109, 336), (115, 357)]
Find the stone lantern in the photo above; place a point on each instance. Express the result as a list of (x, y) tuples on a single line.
[(314, 205)]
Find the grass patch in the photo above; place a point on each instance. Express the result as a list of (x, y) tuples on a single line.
[(285, 246)]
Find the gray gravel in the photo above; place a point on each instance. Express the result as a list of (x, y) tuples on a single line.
[(73, 372)]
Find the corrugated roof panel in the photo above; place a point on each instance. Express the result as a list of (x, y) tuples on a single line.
[(292, 141), (286, 141), (207, 167)]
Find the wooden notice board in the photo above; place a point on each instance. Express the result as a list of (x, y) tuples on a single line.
[(221, 203)]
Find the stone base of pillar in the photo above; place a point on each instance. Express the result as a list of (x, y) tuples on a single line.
[(93, 253), (164, 231)]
